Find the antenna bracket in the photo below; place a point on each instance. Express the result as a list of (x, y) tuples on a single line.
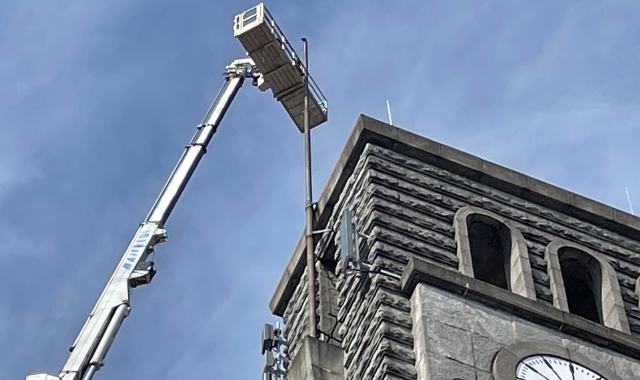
[(351, 262)]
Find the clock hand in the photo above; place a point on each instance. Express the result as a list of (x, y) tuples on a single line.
[(573, 375), (554, 371)]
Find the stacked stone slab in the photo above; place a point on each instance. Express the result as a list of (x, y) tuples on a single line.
[(404, 191)]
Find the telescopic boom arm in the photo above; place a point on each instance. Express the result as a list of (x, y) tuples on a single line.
[(95, 338), (272, 64)]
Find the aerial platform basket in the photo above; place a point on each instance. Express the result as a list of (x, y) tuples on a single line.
[(281, 68)]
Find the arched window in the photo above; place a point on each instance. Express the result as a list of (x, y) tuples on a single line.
[(490, 246), (584, 283), (492, 250)]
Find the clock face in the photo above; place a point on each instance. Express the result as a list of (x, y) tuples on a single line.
[(547, 367)]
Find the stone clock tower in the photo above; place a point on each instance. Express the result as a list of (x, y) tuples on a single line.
[(464, 270)]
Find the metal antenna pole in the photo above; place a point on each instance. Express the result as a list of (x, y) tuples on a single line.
[(629, 200), (311, 270)]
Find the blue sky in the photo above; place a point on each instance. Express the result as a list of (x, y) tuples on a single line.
[(99, 98)]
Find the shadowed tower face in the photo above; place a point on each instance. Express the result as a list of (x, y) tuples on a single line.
[(490, 245)]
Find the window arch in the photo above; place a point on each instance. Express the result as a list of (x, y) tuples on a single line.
[(585, 284), (492, 249)]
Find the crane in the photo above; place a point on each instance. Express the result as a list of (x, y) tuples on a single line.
[(271, 63)]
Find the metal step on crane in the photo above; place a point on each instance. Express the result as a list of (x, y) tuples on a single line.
[(271, 63)]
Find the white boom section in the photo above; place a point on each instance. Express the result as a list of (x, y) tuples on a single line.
[(97, 334)]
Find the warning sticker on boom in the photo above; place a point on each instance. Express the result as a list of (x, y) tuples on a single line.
[(138, 246)]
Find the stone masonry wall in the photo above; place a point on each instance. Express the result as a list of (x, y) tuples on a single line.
[(295, 317), (407, 208), (459, 338), (412, 207)]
